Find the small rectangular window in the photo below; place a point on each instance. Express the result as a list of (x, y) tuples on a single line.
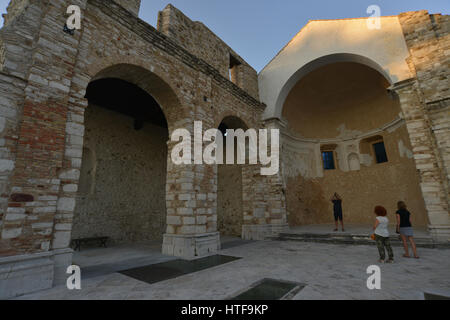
[(234, 63), (380, 152), (328, 160)]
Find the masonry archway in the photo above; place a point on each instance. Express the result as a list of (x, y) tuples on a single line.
[(122, 188), (320, 63), (329, 111), (230, 210)]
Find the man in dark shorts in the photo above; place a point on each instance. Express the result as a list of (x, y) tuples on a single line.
[(337, 209)]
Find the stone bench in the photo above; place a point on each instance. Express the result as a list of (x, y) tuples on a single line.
[(76, 243)]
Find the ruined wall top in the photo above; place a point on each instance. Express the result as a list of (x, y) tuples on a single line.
[(131, 5), (13, 9), (199, 40)]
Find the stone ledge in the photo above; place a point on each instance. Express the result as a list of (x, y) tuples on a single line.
[(403, 84), (262, 231), (440, 234), (438, 104), (25, 274), (191, 246)]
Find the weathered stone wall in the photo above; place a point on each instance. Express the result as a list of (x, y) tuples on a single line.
[(124, 198), (15, 8), (131, 5), (428, 38), (33, 199), (203, 43), (16, 41), (11, 103), (379, 184), (114, 43), (439, 115), (310, 188), (230, 213), (426, 108)]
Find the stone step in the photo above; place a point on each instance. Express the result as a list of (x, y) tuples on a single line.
[(353, 239)]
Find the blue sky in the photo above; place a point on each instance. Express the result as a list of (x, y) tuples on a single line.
[(258, 29)]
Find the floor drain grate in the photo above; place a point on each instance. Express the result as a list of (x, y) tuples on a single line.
[(175, 268), (432, 296), (270, 289)]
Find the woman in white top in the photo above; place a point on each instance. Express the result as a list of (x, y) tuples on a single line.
[(382, 234)]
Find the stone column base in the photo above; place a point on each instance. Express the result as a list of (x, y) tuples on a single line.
[(62, 258), (191, 246), (25, 274), (440, 233), (262, 231)]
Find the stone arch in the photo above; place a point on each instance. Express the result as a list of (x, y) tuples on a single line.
[(347, 39), (233, 122), (230, 187), (341, 102), (228, 114), (321, 62), (150, 81), (168, 102)]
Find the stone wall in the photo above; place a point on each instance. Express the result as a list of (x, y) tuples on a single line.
[(112, 43), (131, 5), (426, 108), (21, 22), (229, 200), (203, 43), (33, 196), (14, 9), (11, 104), (310, 188), (124, 198)]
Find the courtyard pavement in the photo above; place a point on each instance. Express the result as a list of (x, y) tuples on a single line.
[(329, 271), (352, 228)]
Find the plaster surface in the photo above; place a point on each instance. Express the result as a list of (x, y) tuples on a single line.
[(349, 40)]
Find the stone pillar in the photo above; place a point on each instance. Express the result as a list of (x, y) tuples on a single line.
[(191, 200), (264, 199), (426, 158), (69, 176), (35, 214)]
